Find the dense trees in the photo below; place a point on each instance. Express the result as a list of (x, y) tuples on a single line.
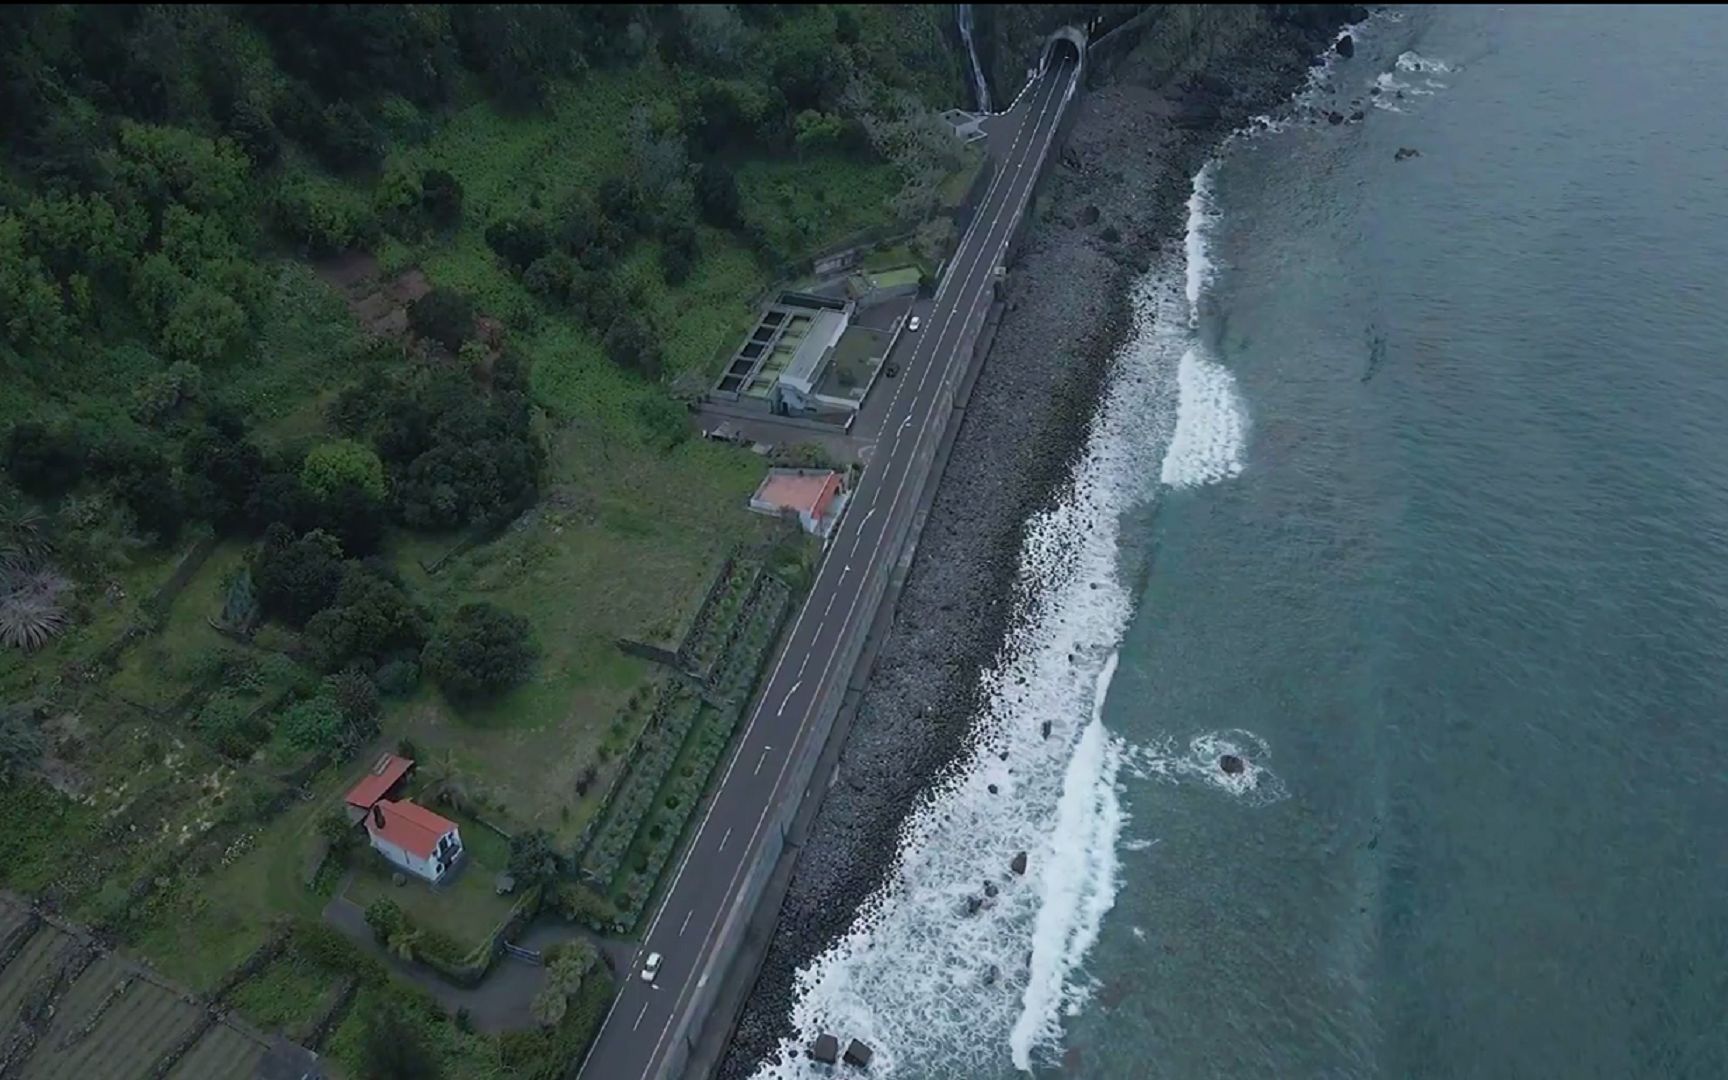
[(369, 619), (297, 578), (456, 453), (479, 650)]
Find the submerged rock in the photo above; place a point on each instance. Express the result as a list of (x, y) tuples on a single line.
[(1334, 117), (1231, 764), (1019, 863), (1358, 116), (990, 886), (1405, 153), (1045, 729)]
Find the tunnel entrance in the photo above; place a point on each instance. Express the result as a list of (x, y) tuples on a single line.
[(1060, 50)]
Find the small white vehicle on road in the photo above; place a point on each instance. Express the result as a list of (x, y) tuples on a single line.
[(912, 327), (650, 967)]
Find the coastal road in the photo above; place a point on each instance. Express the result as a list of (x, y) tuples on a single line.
[(647, 1022)]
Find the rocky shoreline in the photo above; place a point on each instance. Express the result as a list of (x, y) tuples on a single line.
[(1114, 198)]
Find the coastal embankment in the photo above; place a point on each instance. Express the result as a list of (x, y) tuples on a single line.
[(1115, 198)]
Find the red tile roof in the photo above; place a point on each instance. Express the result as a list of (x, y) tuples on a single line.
[(411, 827), (385, 772), (805, 491)]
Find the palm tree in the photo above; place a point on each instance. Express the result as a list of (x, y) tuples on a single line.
[(403, 942), (31, 609)]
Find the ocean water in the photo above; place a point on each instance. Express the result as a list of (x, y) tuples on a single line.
[(1411, 490)]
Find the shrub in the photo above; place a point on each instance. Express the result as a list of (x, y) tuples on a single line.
[(397, 678), (316, 724), (482, 649), (533, 858), (226, 724), (342, 463), (631, 343), (518, 241), (356, 697), (441, 198), (385, 918), (444, 315)]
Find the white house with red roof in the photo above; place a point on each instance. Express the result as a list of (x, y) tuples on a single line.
[(814, 496), (424, 843)]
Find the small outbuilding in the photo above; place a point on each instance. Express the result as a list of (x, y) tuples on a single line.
[(814, 496)]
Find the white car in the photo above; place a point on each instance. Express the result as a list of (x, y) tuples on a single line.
[(912, 327), (650, 967)]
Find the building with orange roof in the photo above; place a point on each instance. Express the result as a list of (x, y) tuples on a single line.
[(814, 496), (424, 843), (385, 774)]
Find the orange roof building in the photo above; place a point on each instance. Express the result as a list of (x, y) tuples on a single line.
[(414, 838), (386, 773), (814, 496)]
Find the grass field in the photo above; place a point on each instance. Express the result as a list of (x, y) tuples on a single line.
[(623, 546)]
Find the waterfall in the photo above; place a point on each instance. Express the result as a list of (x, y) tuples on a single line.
[(981, 89)]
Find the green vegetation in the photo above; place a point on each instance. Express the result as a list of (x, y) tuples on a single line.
[(347, 344)]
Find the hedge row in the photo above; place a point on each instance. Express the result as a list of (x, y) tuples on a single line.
[(679, 795), (673, 806), (708, 631), (634, 801)]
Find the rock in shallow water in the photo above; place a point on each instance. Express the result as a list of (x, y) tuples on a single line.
[(1346, 46), (1019, 863), (1231, 764)]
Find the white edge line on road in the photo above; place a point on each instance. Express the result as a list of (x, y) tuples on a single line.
[(686, 925), (784, 656)]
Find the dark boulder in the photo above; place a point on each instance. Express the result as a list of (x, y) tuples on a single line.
[(1019, 863), (1334, 117), (858, 1054), (825, 1048), (989, 888), (1231, 764), (991, 975), (992, 789), (1405, 153), (1346, 46), (1046, 729), (973, 903), (1358, 116)]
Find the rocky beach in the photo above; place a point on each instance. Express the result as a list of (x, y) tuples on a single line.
[(1159, 101)]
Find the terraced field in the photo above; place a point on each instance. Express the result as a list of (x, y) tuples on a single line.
[(69, 1010)]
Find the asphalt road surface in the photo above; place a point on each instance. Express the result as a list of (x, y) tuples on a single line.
[(647, 1019)]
